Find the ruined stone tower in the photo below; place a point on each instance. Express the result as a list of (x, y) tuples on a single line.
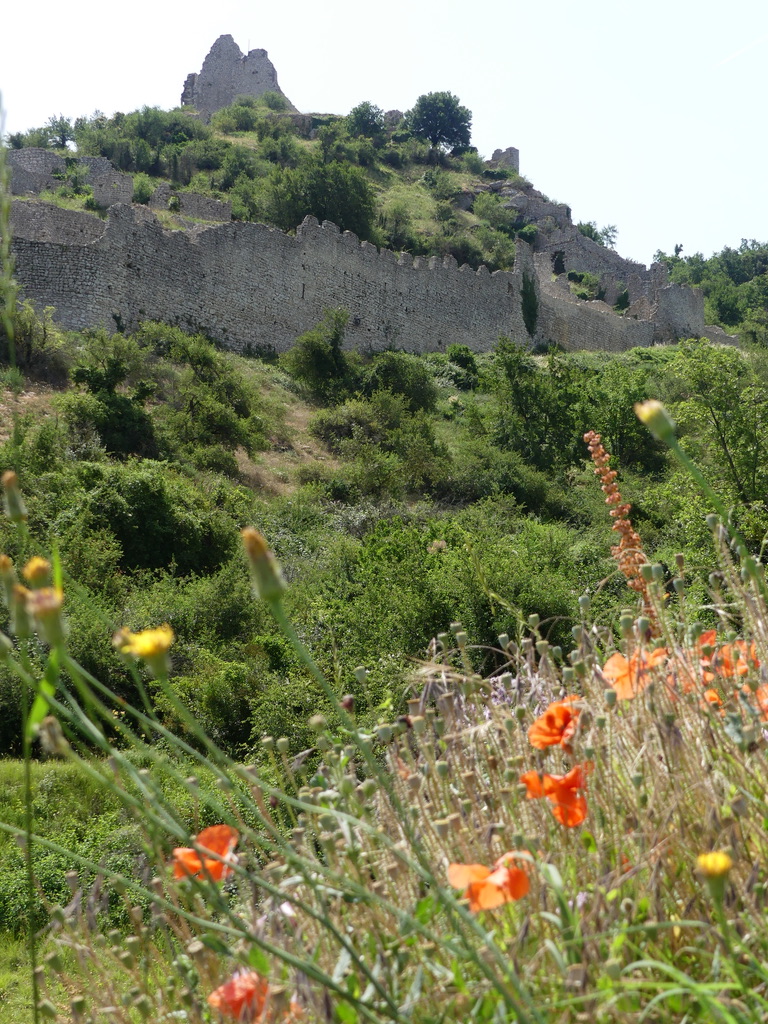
[(226, 74)]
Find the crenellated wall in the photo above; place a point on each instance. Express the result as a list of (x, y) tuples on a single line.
[(248, 285)]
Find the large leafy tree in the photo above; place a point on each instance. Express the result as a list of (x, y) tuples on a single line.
[(332, 191), (440, 117)]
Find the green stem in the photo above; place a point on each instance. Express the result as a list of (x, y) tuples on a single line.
[(28, 836)]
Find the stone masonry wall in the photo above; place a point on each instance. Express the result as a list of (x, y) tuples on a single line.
[(36, 170), (249, 285), (226, 74), (191, 204)]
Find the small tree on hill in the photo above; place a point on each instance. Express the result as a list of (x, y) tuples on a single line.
[(440, 117), (366, 120)]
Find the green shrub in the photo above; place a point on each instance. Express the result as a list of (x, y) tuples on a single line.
[(405, 375), (143, 188), (317, 362)]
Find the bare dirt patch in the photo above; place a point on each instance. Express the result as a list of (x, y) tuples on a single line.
[(277, 471), (35, 402)]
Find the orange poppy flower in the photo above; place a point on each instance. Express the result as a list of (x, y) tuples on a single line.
[(243, 997), (734, 659), (564, 792), (488, 888), (713, 698), (761, 697), (218, 840), (630, 677), (556, 726)]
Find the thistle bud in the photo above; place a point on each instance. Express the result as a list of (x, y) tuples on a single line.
[(7, 578), (266, 575), (44, 606), (14, 503), (21, 623), (653, 414)]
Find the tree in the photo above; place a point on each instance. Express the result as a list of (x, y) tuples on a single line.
[(440, 118), (61, 131), (603, 236), (333, 191), (366, 120)]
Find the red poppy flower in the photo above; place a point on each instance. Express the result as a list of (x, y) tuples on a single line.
[(243, 997), (734, 659), (218, 840), (487, 888), (630, 677), (564, 792), (556, 726)]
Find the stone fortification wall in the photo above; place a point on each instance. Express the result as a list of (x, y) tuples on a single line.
[(574, 324), (577, 252), (678, 313), (37, 170), (44, 222), (589, 325), (250, 285), (509, 157), (226, 74), (191, 204), (247, 284)]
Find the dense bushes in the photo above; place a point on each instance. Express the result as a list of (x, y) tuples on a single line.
[(452, 487)]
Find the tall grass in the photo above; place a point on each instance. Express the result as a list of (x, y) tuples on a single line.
[(338, 902)]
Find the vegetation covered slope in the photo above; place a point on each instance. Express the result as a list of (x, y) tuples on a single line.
[(384, 180)]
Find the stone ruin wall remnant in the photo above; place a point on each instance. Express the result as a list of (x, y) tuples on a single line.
[(37, 170), (249, 286), (228, 73)]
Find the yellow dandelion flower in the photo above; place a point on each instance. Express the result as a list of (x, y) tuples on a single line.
[(37, 571), (151, 645), (715, 864)]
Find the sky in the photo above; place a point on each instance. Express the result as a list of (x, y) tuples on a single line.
[(646, 114)]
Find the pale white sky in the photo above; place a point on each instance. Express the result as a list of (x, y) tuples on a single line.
[(647, 114)]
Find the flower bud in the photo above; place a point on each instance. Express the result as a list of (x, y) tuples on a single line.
[(653, 414), (21, 623), (44, 606), (7, 578), (37, 572), (14, 503), (266, 575)]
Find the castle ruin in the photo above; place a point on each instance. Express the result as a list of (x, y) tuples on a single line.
[(228, 73), (251, 287)]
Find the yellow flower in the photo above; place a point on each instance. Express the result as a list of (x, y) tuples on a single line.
[(151, 645), (653, 414), (715, 864), (37, 571)]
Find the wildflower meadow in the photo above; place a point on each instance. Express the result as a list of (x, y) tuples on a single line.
[(580, 836)]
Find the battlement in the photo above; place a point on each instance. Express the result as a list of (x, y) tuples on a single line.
[(250, 286)]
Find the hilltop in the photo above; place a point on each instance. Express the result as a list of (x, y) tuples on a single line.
[(408, 184)]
